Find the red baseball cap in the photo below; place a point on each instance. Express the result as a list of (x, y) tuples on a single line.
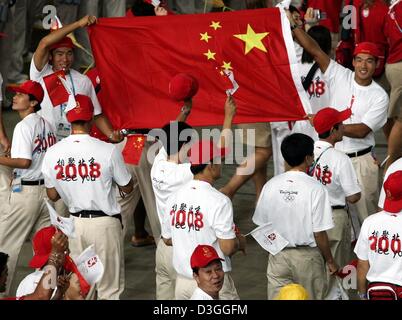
[(83, 111), (367, 48), (393, 192), (29, 87), (326, 118), (203, 255), (204, 151), (42, 246), (66, 42), (183, 87)]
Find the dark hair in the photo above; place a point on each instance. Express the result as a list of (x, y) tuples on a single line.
[(195, 270), (255, 4), (322, 36), (293, 9), (296, 147), (32, 98), (196, 169), (175, 141), (326, 134), (142, 9), (3, 261)]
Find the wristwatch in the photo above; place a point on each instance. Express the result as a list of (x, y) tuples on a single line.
[(362, 295), (292, 27)]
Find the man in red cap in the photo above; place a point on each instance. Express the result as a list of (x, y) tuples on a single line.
[(55, 53), (379, 247), (208, 272), (199, 214), (334, 170), (83, 171), (25, 212), (368, 102)]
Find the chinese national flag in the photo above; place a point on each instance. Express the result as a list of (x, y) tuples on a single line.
[(137, 57), (55, 88), (133, 149)]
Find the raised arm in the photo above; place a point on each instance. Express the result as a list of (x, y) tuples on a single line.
[(310, 45), (41, 56)]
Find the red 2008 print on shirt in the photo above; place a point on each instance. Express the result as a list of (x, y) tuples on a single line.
[(71, 170), (183, 218)]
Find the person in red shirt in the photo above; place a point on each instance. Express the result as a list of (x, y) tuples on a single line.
[(393, 71)]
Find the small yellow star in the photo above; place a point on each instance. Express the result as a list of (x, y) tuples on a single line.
[(210, 55), (139, 139), (215, 25), (205, 36), (227, 65)]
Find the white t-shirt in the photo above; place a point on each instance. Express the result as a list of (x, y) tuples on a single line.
[(379, 242), (297, 205), (335, 171), (369, 105), (197, 214), (318, 91), (32, 137), (394, 167), (79, 84), (200, 294), (83, 169), (167, 177)]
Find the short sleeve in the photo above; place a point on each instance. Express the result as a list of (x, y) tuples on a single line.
[(46, 167), (22, 144), (223, 220), (119, 170), (321, 211), (336, 73), (35, 74), (348, 178), (362, 244), (376, 117), (166, 229)]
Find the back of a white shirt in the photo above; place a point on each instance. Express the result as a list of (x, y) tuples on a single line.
[(297, 206), (32, 137), (167, 177), (197, 214), (83, 169), (380, 243)]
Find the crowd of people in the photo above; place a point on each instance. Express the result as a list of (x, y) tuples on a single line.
[(325, 168)]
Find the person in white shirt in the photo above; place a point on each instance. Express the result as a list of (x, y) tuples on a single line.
[(25, 212), (369, 104), (200, 214), (395, 166), (299, 209), (207, 271), (334, 170), (55, 53), (169, 173), (379, 247), (84, 172)]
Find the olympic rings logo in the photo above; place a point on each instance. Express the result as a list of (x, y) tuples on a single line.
[(288, 197)]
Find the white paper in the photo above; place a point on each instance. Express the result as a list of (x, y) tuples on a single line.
[(235, 85), (90, 265), (65, 225), (284, 4), (269, 239)]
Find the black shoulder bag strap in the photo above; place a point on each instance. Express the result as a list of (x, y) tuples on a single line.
[(309, 78)]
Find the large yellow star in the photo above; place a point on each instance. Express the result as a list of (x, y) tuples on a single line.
[(252, 39), (227, 65), (210, 55), (205, 36), (215, 25)]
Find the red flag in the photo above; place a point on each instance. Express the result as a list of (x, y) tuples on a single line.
[(133, 149), (55, 88), (148, 51)]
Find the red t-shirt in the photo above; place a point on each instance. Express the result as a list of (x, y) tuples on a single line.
[(393, 32), (332, 8), (371, 24)]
